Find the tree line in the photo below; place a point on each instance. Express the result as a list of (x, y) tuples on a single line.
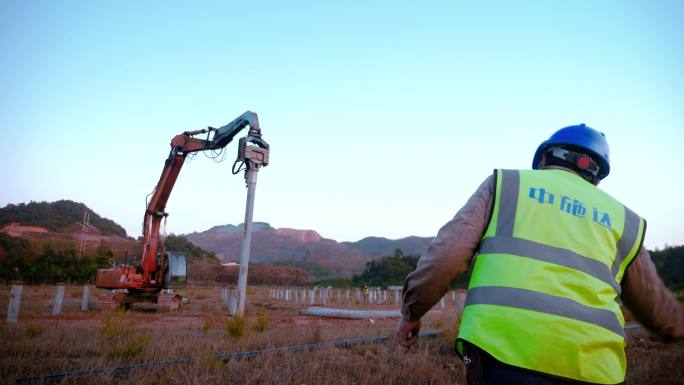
[(670, 264), (33, 263), (19, 261), (392, 271)]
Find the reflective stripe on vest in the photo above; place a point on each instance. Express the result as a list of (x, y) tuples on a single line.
[(532, 300), (543, 291)]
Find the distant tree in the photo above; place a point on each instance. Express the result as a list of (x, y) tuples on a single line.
[(391, 271), (670, 265), (191, 251), (386, 271), (20, 262), (16, 258)]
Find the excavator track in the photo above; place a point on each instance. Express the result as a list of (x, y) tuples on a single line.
[(111, 301), (167, 302)]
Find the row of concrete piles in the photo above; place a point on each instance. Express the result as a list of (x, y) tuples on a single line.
[(377, 296), (57, 303)]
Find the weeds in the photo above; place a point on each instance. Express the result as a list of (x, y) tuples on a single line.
[(113, 324), (437, 324), (129, 347), (236, 327), (316, 335), (260, 324), (207, 324), (33, 330), (210, 322), (93, 340), (211, 362), (119, 336), (452, 332)]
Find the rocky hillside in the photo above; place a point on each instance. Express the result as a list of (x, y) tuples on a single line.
[(305, 249), (286, 247)]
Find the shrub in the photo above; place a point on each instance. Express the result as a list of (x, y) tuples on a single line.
[(260, 324), (236, 327), (128, 348), (33, 330), (316, 335), (113, 324)]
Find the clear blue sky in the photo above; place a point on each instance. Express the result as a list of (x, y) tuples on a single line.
[(383, 116)]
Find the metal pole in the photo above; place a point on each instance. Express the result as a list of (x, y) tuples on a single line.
[(251, 178)]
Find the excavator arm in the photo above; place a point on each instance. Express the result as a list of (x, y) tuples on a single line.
[(182, 145), (225, 134)]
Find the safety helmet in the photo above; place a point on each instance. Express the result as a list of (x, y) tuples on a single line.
[(582, 138)]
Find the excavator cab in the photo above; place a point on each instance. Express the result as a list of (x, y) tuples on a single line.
[(176, 274)]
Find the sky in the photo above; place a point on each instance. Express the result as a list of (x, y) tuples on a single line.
[(383, 116)]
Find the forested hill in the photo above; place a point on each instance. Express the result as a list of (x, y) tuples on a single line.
[(56, 216), (192, 252)]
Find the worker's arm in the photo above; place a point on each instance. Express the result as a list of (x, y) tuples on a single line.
[(448, 255), (653, 305)]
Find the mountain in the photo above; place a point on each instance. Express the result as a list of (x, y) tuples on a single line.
[(305, 249), (192, 252), (58, 225), (380, 247), (62, 216), (239, 228), (285, 247)]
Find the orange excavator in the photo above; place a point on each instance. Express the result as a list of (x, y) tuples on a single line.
[(161, 271)]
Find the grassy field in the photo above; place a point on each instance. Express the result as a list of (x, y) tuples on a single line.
[(42, 344)]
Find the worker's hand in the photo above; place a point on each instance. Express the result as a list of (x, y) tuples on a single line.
[(407, 332)]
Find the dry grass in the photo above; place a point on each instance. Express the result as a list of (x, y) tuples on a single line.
[(41, 344)]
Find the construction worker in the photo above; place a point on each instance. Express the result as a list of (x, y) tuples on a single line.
[(554, 253)]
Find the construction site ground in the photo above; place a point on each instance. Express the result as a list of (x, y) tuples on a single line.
[(40, 344)]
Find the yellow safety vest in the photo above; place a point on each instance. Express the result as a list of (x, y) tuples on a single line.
[(544, 288)]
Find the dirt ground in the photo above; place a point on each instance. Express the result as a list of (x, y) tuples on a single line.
[(40, 344)]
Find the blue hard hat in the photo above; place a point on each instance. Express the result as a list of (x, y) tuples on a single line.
[(582, 137)]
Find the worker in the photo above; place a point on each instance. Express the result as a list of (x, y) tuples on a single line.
[(554, 253)]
